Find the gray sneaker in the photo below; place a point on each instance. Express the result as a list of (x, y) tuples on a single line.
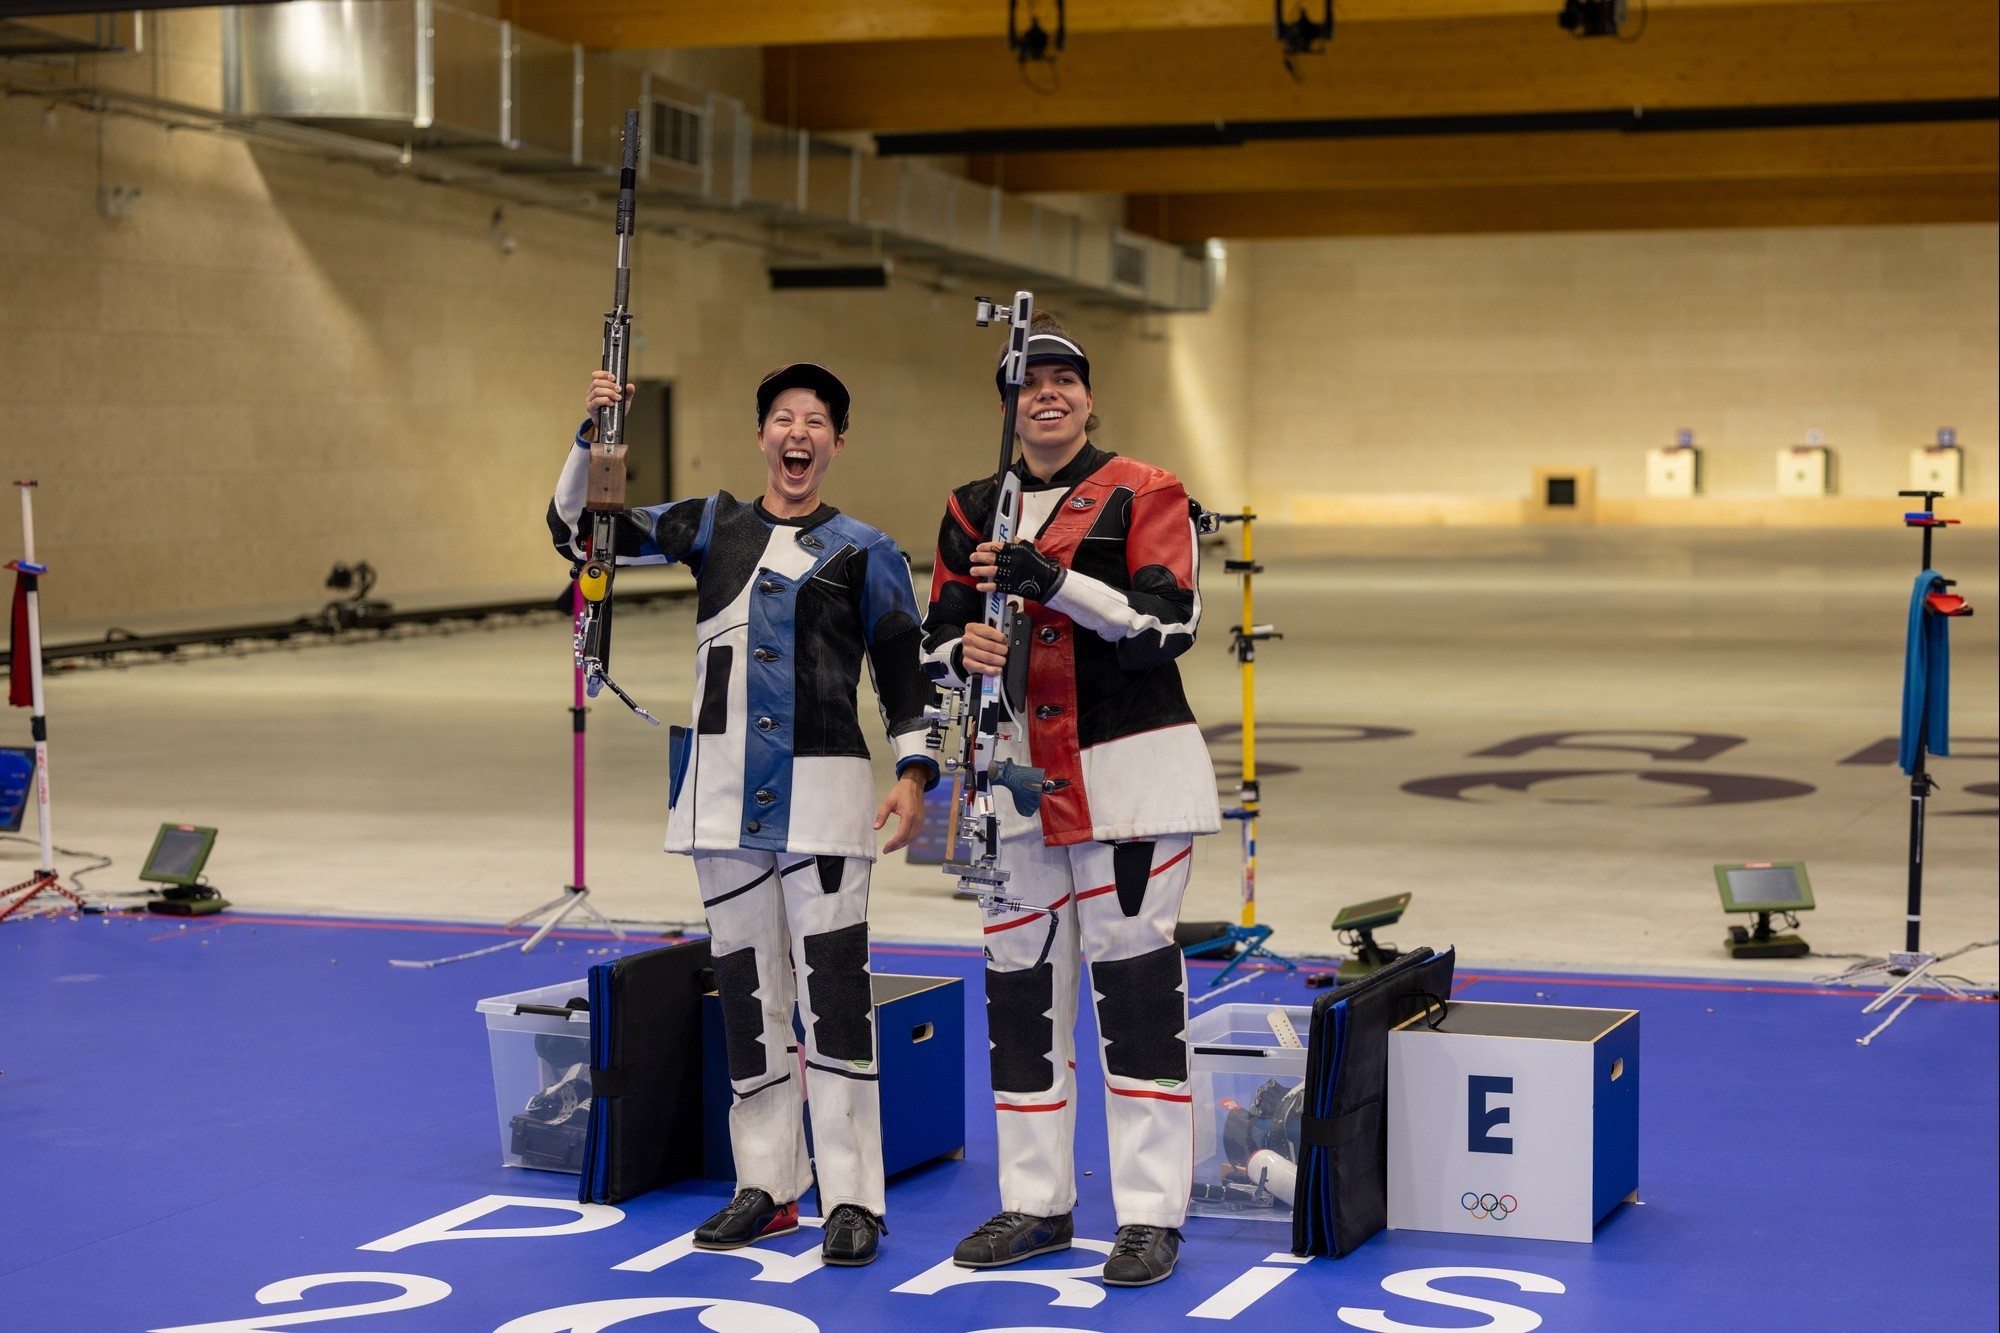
[(1142, 1256), (1009, 1238)]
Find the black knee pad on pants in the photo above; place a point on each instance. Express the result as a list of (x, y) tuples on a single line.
[(843, 1009), (742, 1012), (1018, 1023), (1141, 1014)]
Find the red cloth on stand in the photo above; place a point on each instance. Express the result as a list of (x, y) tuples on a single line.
[(20, 665)]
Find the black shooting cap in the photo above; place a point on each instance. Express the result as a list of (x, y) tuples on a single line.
[(1047, 347), (805, 375)]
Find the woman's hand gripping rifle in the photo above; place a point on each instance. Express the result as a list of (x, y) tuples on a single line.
[(604, 504), (986, 709)]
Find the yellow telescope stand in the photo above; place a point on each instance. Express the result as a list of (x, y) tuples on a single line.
[(1243, 641)]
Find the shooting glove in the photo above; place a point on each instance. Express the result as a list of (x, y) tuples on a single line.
[(1024, 571)]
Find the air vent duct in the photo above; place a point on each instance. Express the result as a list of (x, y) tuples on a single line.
[(425, 76)]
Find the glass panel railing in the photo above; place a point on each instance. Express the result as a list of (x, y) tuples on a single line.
[(775, 176), (544, 84), (610, 89), (468, 75)]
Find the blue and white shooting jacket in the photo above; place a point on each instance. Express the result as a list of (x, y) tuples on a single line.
[(787, 610)]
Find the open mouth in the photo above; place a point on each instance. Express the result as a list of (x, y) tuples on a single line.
[(798, 464), (1048, 414)]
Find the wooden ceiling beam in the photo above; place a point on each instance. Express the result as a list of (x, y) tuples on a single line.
[(630, 24), (1844, 50), (1601, 206), (1866, 150)]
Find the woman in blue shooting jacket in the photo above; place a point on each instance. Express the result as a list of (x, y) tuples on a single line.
[(771, 794)]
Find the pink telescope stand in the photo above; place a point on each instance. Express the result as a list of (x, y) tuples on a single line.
[(575, 896)]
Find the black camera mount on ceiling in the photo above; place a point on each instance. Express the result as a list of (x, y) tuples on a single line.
[(1035, 45), (1592, 18), (1301, 35)]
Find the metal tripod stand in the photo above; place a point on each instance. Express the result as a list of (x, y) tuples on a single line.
[(1911, 968), (1248, 936)]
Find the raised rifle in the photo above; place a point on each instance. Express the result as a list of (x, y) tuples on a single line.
[(604, 503), (987, 707)]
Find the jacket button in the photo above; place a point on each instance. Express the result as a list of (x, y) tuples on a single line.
[(753, 827), (764, 655), (766, 797), (766, 724), (1047, 711), (1048, 634), (769, 585), (810, 542)]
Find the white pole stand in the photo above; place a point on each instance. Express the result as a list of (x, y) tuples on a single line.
[(45, 879)]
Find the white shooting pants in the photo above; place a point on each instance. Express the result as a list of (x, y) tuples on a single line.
[(772, 915), (1117, 904)]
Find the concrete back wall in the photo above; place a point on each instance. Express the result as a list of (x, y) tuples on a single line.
[(1455, 366), (278, 362)]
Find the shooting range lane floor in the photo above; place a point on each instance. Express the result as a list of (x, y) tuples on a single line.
[(192, 1113), (431, 775)]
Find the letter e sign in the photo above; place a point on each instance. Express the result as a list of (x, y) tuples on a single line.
[(1481, 1119)]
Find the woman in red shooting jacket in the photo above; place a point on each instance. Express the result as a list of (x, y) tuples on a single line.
[(1106, 575)]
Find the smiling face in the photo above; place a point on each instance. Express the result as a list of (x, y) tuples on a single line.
[(799, 444), (1053, 410)]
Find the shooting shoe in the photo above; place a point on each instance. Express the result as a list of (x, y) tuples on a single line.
[(853, 1234), (1009, 1238), (750, 1216), (1142, 1256)]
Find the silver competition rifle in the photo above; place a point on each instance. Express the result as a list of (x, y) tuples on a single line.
[(986, 708), (604, 504)]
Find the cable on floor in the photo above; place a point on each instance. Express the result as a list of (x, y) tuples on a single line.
[(76, 876)]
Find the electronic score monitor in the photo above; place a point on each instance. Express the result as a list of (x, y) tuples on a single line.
[(179, 852), (1764, 886), (1368, 915)]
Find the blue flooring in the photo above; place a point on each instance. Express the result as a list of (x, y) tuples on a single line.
[(192, 1115)]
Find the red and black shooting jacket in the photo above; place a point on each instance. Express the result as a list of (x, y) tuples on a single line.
[(1106, 713)]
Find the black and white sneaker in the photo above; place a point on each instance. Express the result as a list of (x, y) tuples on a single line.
[(853, 1234), (1008, 1238), (1142, 1256), (750, 1216)]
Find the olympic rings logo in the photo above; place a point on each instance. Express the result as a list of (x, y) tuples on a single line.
[(1485, 1207)]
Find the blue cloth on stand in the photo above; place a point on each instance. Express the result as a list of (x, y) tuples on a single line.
[(1926, 677)]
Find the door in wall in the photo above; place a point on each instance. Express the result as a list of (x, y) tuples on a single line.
[(649, 444)]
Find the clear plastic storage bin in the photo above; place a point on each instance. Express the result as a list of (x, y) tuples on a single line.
[(541, 1075), (1248, 1089)]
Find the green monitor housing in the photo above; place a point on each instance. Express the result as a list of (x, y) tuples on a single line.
[(1764, 886), (1368, 915), (179, 852), (1356, 925)]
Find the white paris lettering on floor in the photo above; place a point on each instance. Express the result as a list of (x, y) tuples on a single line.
[(358, 1172)]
